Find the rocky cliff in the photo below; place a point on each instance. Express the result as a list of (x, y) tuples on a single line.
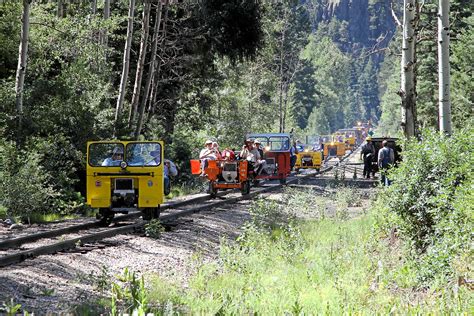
[(367, 22)]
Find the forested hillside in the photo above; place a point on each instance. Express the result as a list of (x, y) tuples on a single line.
[(189, 71), (184, 71)]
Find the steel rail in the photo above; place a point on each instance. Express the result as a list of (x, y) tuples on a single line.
[(10, 259), (15, 242), (18, 241), (89, 238)]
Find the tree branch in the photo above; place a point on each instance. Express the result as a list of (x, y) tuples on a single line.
[(397, 21)]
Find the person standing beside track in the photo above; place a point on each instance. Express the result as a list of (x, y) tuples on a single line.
[(385, 159), (367, 153)]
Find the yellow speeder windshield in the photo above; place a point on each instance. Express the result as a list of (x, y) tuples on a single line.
[(136, 154)]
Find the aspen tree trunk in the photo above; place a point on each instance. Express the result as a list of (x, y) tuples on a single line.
[(251, 90), (104, 37), (280, 97), (60, 8), (126, 62), (408, 88), (285, 105), (286, 90), (443, 68), (153, 96), (22, 62), (140, 63), (93, 7), (151, 69)]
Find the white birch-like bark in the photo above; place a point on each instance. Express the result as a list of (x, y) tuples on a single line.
[(151, 70), (93, 7), (22, 61), (443, 68), (126, 62), (140, 63), (106, 9), (280, 96), (60, 8), (104, 36), (407, 89)]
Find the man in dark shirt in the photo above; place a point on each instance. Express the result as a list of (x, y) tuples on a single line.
[(368, 153), (385, 159)]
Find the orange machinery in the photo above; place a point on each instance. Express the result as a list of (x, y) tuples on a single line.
[(223, 174)]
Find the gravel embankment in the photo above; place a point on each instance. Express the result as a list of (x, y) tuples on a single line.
[(59, 283)]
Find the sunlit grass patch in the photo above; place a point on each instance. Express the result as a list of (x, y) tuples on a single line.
[(185, 189), (318, 269), (317, 264), (329, 266), (162, 294), (50, 217)]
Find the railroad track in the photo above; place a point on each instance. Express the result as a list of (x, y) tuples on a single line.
[(204, 203)]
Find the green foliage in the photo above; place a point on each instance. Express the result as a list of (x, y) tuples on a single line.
[(24, 185), (320, 266), (462, 50), (234, 27), (368, 89), (462, 92), (390, 119), (60, 159), (39, 178), (102, 279), (11, 309), (163, 295), (129, 294), (302, 203), (431, 200), (154, 228), (332, 92), (67, 75), (3, 211), (304, 94), (9, 38)]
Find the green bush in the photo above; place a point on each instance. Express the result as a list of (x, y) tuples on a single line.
[(62, 162), (24, 184), (154, 229), (129, 294), (431, 202), (40, 177)]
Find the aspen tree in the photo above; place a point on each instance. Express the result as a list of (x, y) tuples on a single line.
[(408, 87), (126, 62), (103, 36), (443, 68), (140, 63), (94, 7), (22, 62), (61, 10), (151, 71)]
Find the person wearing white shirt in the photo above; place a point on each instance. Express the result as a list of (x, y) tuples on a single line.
[(206, 154)]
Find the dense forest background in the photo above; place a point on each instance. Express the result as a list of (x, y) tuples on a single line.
[(204, 69)]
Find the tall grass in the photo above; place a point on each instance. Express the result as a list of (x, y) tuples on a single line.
[(317, 267), (323, 266)]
